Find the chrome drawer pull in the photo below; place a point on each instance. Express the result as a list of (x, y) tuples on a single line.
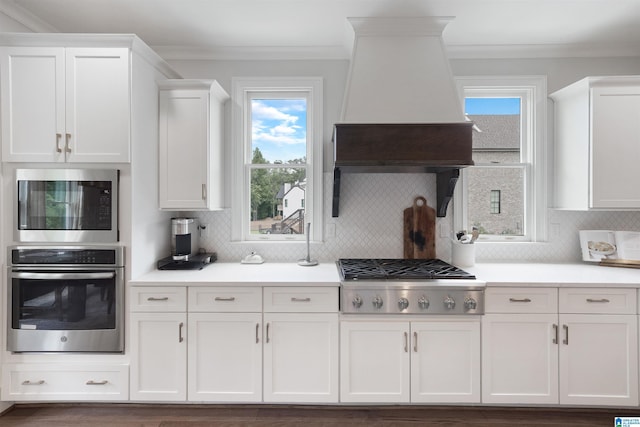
[(158, 299), (225, 299), (566, 335), (294, 299), (92, 382), (406, 342), (180, 337), (415, 342), (257, 336), (58, 149), (267, 333), (597, 300), (519, 300), (27, 382), (555, 329)]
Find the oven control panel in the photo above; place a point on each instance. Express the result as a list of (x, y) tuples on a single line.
[(412, 301)]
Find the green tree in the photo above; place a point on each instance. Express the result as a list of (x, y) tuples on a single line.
[(260, 186)]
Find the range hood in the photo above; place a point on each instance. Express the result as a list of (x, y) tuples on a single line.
[(401, 110)]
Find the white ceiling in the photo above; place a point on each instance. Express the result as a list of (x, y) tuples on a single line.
[(319, 29)]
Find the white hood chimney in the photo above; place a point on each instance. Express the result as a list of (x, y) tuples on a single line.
[(399, 73), (401, 110)]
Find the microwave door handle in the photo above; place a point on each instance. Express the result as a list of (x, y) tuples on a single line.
[(63, 276)]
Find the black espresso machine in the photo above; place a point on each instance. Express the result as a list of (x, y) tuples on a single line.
[(185, 247)]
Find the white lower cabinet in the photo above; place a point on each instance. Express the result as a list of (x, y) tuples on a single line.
[(519, 358), (158, 339), (215, 344), (599, 360), (301, 357), (587, 354), (159, 356), (225, 357), (398, 362), (64, 382)]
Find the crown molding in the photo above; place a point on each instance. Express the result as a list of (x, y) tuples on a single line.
[(26, 18), (532, 51), (259, 53)]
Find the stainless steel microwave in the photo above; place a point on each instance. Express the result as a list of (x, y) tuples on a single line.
[(66, 205)]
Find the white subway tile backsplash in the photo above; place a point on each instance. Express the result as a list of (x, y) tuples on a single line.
[(370, 225)]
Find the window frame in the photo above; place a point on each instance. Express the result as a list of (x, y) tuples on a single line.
[(534, 155), (241, 153)]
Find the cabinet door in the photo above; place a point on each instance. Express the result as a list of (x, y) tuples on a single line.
[(184, 154), (225, 357), (599, 360), (32, 88), (520, 358), (445, 361), (159, 356), (615, 146), (98, 105), (301, 357), (374, 361)]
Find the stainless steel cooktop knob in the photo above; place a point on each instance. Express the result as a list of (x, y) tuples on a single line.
[(470, 304), (449, 303), (357, 301), (423, 302), (403, 304), (377, 301)]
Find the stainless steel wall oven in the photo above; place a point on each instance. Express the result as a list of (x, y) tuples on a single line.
[(66, 205), (65, 299)]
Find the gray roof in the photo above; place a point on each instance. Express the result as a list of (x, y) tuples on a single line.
[(499, 132)]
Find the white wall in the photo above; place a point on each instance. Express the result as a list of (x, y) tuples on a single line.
[(370, 221)]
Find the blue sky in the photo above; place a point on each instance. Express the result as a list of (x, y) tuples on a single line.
[(492, 106), (279, 128)]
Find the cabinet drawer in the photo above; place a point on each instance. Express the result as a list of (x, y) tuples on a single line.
[(64, 382), (300, 299), (225, 299), (598, 300), (158, 298), (521, 300)]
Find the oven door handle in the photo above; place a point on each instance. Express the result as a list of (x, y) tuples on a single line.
[(63, 276)]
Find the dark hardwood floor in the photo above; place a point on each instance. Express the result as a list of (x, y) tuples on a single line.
[(135, 415)]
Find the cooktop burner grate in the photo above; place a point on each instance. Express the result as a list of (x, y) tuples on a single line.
[(399, 269)]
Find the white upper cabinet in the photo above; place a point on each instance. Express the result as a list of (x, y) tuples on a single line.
[(65, 104), (191, 134), (597, 144)]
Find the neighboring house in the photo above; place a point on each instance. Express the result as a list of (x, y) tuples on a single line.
[(495, 199), (290, 199)]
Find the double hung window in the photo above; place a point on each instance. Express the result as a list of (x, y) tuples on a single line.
[(278, 159)]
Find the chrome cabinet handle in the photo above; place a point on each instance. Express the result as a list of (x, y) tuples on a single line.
[(257, 332), (158, 299), (294, 299), (92, 382), (204, 191), (180, 337), (67, 146), (225, 299), (406, 342), (566, 334), (267, 340), (415, 342), (555, 330), (519, 300), (598, 300), (58, 136), (27, 382)]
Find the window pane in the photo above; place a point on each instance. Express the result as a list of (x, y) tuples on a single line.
[(505, 183), (279, 130), (277, 200), (496, 136)]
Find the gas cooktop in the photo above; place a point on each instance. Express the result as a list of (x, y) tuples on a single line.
[(399, 269)]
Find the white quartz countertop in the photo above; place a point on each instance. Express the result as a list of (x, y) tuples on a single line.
[(326, 274), (221, 273), (540, 274)]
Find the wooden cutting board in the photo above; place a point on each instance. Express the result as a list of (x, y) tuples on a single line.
[(419, 230)]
